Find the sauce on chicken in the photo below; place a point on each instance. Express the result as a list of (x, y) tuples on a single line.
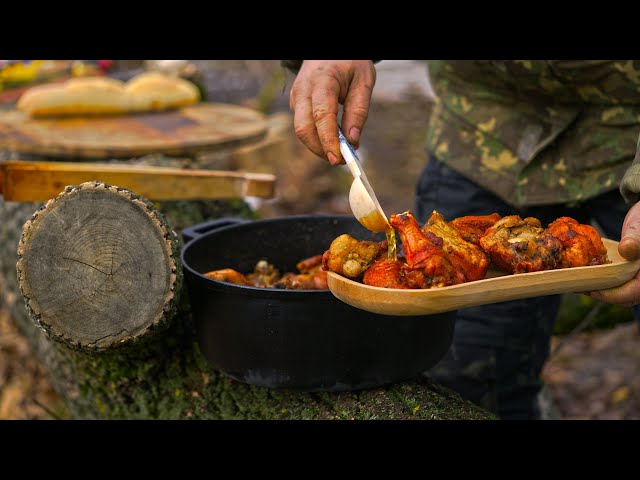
[(377, 223), (442, 253)]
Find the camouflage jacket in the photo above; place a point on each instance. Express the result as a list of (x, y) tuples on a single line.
[(537, 132)]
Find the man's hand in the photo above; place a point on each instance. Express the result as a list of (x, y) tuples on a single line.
[(629, 247), (318, 89)]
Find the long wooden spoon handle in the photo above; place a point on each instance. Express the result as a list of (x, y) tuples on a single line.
[(38, 181)]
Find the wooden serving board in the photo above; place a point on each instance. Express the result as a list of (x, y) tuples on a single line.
[(500, 288), (200, 127)]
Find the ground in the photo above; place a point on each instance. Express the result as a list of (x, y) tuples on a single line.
[(25, 391), (593, 375)]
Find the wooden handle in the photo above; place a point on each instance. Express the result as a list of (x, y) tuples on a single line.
[(40, 181)]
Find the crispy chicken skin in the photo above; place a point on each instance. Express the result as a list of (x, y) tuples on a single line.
[(472, 227), (425, 255), (385, 273), (519, 246), (389, 273), (418, 246), (228, 275), (464, 255), (350, 257), (311, 276), (582, 243)]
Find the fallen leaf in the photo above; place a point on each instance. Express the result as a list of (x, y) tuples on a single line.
[(10, 398), (620, 394)]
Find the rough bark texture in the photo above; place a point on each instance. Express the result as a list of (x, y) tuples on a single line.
[(99, 267), (167, 377)]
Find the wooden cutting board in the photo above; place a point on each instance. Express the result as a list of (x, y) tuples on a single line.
[(200, 127), (391, 301)]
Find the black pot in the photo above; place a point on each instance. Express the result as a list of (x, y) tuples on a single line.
[(299, 339)]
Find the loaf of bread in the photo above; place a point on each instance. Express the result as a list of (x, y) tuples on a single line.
[(149, 91), (157, 91), (78, 96)]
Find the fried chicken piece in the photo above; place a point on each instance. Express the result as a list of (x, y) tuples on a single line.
[(424, 253), (417, 244), (320, 280), (309, 265), (264, 275), (582, 243), (303, 281), (464, 255), (385, 273), (312, 267), (389, 273), (472, 227), (311, 276), (228, 275), (349, 257), (519, 246)]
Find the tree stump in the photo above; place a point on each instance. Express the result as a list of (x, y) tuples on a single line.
[(145, 363), (98, 267)]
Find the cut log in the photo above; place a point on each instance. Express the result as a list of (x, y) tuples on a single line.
[(98, 267)]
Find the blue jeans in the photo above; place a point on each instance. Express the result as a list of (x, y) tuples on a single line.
[(499, 350)]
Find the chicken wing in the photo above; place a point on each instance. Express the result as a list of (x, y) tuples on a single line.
[(228, 275), (389, 273), (518, 246), (472, 227), (464, 255), (309, 265), (424, 253), (385, 273), (303, 281), (350, 257), (311, 276), (582, 243)]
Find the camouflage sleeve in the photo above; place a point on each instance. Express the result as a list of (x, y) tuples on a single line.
[(630, 185)]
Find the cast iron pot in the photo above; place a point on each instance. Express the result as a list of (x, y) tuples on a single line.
[(305, 340)]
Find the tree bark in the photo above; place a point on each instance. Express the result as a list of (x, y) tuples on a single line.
[(164, 375)]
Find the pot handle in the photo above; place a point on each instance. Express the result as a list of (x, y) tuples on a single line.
[(200, 229)]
